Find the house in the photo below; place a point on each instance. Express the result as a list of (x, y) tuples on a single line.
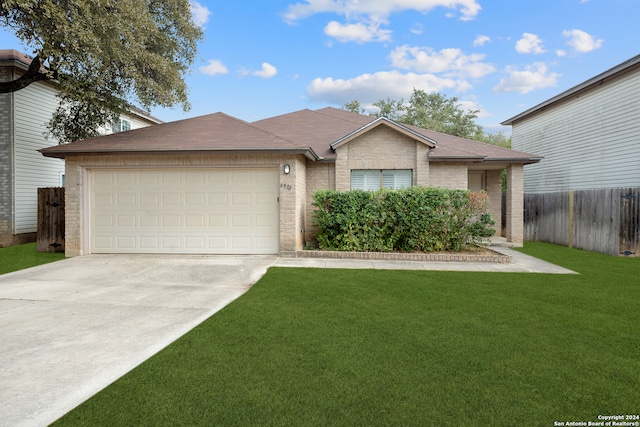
[(217, 184), (23, 170), (589, 135), (586, 193)]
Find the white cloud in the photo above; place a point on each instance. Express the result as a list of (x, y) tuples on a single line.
[(452, 62), (581, 41), (376, 10), (532, 77), (266, 72), (357, 32), (417, 29), (369, 88), (481, 40), (561, 52), (529, 43), (214, 67), (199, 13)]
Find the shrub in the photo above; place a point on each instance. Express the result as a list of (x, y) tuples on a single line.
[(413, 219)]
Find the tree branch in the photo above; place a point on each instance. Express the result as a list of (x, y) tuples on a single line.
[(32, 75)]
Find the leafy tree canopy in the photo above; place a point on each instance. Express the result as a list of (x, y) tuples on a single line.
[(434, 111), (104, 55)]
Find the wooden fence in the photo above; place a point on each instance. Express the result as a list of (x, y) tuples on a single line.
[(605, 220), (50, 233)]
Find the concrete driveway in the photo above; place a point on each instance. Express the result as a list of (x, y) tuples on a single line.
[(70, 328)]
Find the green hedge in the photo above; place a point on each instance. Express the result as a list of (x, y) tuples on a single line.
[(423, 219)]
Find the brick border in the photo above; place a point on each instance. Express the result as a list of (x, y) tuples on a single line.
[(494, 257)]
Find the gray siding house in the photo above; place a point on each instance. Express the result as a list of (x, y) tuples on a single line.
[(586, 191), (23, 169), (588, 135)]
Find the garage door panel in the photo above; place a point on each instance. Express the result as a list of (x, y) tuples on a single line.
[(193, 211)]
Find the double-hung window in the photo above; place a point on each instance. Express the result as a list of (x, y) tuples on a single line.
[(120, 125), (372, 180)]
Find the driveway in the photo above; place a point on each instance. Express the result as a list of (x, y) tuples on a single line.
[(70, 328)]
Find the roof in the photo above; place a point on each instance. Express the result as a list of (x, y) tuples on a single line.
[(312, 133), (592, 83), (11, 57), (213, 132)]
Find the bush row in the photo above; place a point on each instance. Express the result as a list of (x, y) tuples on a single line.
[(423, 219)]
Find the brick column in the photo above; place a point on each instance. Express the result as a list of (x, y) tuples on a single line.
[(494, 192), (515, 204)]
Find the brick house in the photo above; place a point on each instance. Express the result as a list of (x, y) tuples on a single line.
[(217, 184)]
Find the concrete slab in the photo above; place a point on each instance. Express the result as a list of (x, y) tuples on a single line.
[(71, 328), (520, 263)]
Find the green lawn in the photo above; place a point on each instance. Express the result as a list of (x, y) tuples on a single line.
[(19, 257), (358, 348)]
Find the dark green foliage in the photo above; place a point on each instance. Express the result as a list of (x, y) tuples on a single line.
[(413, 219)]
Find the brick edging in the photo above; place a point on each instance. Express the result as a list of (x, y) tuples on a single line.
[(494, 257)]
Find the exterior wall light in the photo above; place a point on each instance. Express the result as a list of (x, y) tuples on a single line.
[(287, 169)]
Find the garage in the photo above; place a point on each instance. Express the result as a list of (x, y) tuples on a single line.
[(187, 210)]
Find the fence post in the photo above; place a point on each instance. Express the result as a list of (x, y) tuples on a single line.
[(571, 218)]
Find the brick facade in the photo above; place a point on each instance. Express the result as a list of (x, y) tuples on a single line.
[(6, 162)]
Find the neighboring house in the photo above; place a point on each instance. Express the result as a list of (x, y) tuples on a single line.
[(589, 135), (23, 170), (217, 184), (585, 193)]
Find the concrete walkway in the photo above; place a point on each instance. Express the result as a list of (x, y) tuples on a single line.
[(520, 263), (70, 328)]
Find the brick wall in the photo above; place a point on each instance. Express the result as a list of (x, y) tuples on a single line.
[(6, 162), (320, 176), (454, 176), (515, 204), (381, 148)]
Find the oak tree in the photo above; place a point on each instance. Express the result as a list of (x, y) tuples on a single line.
[(104, 56)]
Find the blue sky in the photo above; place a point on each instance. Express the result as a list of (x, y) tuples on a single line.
[(264, 58)]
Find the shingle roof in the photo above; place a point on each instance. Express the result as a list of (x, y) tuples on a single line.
[(213, 132), (307, 132)]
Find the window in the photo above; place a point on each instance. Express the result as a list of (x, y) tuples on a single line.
[(372, 180), (120, 125)]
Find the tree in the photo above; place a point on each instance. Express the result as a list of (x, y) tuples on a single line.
[(104, 55), (353, 106), (434, 111)]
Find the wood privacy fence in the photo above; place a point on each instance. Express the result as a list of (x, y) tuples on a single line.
[(50, 233), (605, 220)]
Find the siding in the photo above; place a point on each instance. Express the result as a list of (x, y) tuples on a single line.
[(33, 107), (589, 141)]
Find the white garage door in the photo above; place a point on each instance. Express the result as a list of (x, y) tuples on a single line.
[(197, 211)]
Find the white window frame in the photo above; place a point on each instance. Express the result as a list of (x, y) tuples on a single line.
[(375, 179), (120, 125)]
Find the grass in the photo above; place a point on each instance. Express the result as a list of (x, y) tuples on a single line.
[(19, 257), (371, 347)]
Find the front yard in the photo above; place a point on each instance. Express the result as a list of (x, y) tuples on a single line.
[(19, 257), (361, 347)]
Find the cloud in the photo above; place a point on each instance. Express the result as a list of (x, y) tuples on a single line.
[(376, 10), (529, 43), (452, 62), (480, 40), (199, 13), (357, 32), (214, 67), (561, 52), (266, 72), (581, 41), (369, 88), (532, 77)]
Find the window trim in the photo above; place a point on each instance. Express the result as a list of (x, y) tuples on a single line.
[(367, 176)]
